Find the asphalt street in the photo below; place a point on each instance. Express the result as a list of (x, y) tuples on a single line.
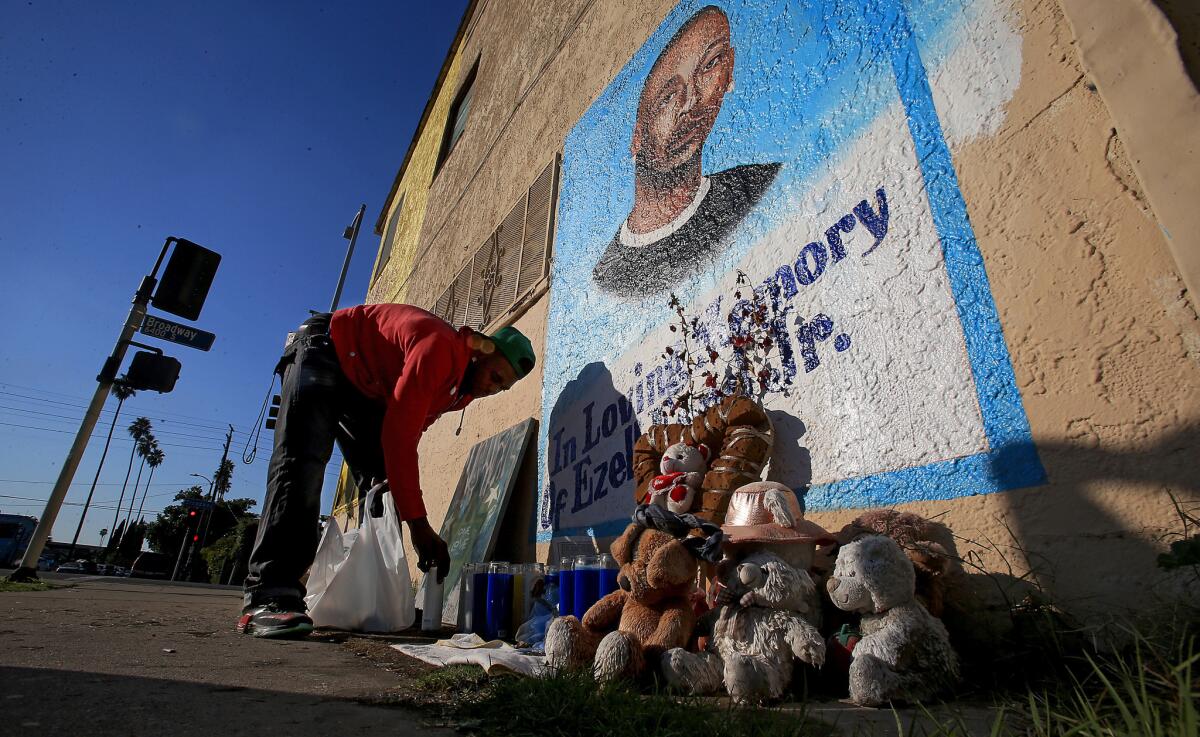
[(114, 656)]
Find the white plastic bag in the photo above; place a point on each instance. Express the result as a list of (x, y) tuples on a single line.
[(360, 581)]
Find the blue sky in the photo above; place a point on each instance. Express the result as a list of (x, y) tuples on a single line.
[(255, 129)]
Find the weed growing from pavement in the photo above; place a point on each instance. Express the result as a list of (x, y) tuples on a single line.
[(9, 586)]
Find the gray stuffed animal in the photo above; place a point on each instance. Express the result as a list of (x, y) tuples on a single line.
[(769, 607), (904, 654)]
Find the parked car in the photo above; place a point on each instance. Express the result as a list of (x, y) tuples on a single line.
[(151, 565), (77, 566)]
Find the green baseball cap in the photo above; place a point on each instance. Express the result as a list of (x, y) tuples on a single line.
[(516, 348)]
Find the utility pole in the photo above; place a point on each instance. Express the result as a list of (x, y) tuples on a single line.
[(208, 513), (350, 234)]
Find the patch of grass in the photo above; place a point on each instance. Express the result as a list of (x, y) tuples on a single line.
[(1140, 692), (573, 705), (453, 679), (9, 586)]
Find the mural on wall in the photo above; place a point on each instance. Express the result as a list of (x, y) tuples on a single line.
[(798, 143)]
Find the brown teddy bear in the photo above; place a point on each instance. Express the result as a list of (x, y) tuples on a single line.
[(651, 610)]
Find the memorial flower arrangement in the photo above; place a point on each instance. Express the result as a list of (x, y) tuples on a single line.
[(747, 367)]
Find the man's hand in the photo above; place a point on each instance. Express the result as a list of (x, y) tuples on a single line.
[(431, 549)]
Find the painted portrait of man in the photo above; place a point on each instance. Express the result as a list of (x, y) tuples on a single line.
[(681, 218)]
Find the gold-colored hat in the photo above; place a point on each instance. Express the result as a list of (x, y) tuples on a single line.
[(755, 516)]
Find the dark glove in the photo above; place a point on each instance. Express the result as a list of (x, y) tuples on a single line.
[(431, 549)]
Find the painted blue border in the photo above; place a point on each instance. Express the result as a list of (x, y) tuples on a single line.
[(1012, 460)]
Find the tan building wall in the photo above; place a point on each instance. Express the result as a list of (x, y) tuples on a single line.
[(1068, 200)]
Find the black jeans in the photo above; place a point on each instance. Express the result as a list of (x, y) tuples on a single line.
[(319, 406)]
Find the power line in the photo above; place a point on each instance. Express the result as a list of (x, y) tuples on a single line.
[(176, 446), (132, 407), (77, 419), (41, 502), (86, 483), (84, 401)]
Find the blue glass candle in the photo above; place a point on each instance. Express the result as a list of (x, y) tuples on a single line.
[(499, 602), (608, 575), (566, 588), (479, 599), (587, 584)]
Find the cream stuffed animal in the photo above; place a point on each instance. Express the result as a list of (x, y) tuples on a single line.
[(769, 607), (682, 469), (904, 654)]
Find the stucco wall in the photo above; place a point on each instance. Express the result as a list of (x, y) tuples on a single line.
[(413, 196), (1103, 338)]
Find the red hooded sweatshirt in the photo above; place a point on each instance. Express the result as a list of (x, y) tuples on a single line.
[(411, 361)]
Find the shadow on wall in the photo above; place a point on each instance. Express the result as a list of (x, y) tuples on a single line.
[(589, 452), (514, 539), (1184, 15), (1086, 554), (792, 469)]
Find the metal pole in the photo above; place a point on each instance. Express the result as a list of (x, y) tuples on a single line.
[(28, 569), (353, 236), (92, 490), (179, 558), (206, 517)]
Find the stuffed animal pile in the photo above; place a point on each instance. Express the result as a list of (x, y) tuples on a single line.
[(769, 608), (768, 589), (651, 610)]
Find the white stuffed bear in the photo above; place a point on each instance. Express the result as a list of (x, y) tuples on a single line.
[(904, 654), (681, 470), (768, 607)]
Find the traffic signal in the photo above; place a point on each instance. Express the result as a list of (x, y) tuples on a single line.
[(186, 280), (191, 515), (195, 537), (152, 372)]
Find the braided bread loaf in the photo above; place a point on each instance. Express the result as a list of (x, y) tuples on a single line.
[(737, 425)]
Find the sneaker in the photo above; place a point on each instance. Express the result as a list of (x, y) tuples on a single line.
[(275, 620)]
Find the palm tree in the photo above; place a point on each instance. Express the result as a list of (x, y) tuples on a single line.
[(143, 448), (138, 429), (154, 459), (121, 391)]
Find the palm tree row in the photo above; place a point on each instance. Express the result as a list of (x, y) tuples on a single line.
[(145, 446), (121, 391)]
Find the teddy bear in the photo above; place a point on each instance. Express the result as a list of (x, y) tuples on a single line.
[(768, 608), (682, 468), (651, 609), (904, 654)]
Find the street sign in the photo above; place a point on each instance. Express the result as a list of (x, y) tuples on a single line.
[(197, 503), (156, 327)]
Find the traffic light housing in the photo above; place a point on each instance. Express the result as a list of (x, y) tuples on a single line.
[(152, 372), (186, 280)]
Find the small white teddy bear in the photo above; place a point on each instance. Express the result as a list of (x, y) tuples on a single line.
[(904, 654), (768, 608), (682, 470)]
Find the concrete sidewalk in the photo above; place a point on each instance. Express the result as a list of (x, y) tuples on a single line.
[(111, 656)]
